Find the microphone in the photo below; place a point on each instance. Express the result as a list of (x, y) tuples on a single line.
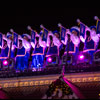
[(78, 21), (29, 28), (59, 25), (96, 18), (41, 26), (11, 30)]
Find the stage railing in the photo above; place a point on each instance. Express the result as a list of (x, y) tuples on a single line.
[(53, 68)]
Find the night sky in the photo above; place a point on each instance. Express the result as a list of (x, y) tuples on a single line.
[(21, 17)]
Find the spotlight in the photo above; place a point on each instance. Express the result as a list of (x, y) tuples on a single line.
[(52, 60), (84, 58), (49, 59), (81, 57), (5, 62)]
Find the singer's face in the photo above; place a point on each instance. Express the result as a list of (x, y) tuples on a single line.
[(74, 32), (57, 35), (10, 38), (93, 29), (25, 38)]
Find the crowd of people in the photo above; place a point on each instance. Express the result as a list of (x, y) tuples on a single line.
[(40, 46)]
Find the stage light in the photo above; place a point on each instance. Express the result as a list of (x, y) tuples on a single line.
[(52, 60), (5, 62), (49, 59), (81, 57)]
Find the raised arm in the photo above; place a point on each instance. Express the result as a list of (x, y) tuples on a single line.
[(84, 38), (32, 44), (26, 44), (94, 36), (56, 41), (42, 43), (3, 37), (9, 43), (48, 39), (66, 37), (75, 40)]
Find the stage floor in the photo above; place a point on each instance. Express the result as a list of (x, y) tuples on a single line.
[(34, 87), (48, 79)]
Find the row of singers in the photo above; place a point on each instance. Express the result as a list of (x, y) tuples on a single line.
[(41, 49)]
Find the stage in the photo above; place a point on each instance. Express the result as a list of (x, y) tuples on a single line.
[(36, 86), (48, 79)]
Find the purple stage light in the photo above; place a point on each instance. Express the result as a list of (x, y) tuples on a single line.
[(49, 59), (5, 62), (81, 57)]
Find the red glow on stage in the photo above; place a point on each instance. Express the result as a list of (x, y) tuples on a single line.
[(5, 62)]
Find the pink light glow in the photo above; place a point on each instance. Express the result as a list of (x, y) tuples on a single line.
[(81, 57), (49, 60), (5, 62)]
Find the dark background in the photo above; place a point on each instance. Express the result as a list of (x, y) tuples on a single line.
[(20, 16)]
